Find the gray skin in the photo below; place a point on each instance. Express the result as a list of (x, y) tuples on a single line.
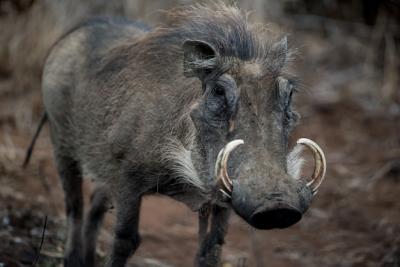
[(147, 112)]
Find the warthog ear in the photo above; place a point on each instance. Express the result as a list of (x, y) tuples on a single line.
[(199, 58), (280, 49)]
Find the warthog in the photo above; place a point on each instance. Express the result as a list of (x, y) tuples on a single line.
[(160, 111)]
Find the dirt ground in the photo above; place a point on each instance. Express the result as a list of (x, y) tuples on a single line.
[(354, 220)]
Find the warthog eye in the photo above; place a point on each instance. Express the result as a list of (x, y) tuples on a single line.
[(284, 92), (285, 89), (288, 100), (219, 90), (216, 102), (288, 93), (220, 100)]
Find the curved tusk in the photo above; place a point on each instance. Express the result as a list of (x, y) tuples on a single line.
[(218, 174), (320, 164), (225, 194), (221, 172)]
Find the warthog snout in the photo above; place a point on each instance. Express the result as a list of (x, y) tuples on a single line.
[(275, 214), (264, 210), (271, 202)]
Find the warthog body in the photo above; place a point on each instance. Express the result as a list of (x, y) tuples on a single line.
[(148, 111)]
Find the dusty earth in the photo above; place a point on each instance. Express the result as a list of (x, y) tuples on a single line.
[(354, 220)]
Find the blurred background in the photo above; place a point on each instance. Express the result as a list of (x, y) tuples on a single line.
[(348, 59)]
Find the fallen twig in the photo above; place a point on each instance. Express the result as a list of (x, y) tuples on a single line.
[(41, 243)]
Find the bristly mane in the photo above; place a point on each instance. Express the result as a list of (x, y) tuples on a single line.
[(223, 26)]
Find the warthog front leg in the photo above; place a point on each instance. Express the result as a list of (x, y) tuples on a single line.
[(127, 238), (209, 252), (99, 205)]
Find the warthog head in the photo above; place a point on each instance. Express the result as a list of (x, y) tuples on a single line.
[(247, 98)]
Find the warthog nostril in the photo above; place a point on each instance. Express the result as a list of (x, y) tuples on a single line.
[(278, 215)]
